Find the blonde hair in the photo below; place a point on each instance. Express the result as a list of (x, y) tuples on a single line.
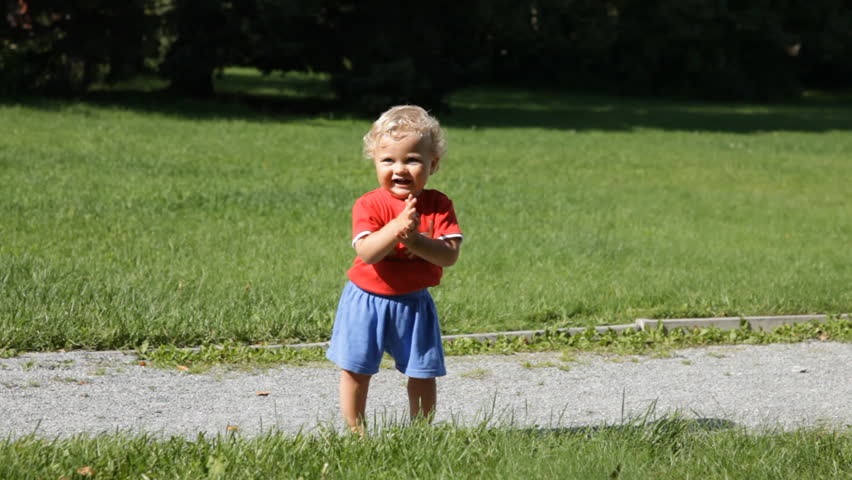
[(401, 121)]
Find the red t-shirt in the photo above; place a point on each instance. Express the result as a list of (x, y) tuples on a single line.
[(397, 274)]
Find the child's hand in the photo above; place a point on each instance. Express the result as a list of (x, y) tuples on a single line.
[(428, 234), (408, 220)]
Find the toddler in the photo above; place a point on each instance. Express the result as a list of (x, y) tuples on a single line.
[(403, 235)]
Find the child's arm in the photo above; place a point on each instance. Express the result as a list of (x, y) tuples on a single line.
[(377, 245), (443, 253)]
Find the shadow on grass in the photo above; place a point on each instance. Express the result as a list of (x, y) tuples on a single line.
[(227, 106), (816, 112), (619, 118), (497, 108)]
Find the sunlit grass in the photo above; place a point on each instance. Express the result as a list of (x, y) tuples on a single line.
[(670, 447), (192, 223)]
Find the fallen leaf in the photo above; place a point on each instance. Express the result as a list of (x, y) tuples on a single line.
[(824, 337), (82, 382), (182, 368), (262, 393), (143, 364), (232, 428), (86, 471)]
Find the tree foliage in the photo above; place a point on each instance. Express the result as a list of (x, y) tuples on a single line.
[(381, 52), (63, 46), (759, 50), (390, 52)]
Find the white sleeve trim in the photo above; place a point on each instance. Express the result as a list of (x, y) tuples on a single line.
[(360, 236), (442, 237), (451, 235)]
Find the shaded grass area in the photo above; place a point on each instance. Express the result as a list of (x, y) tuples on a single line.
[(137, 218), (242, 82), (480, 107), (671, 447)]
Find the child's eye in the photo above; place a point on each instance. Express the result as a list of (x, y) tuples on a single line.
[(413, 160)]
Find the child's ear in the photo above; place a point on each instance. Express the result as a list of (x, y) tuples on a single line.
[(435, 163)]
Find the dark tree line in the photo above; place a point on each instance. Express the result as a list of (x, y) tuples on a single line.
[(380, 52), (64, 46)]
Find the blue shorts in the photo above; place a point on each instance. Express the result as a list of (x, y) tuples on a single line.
[(405, 326)]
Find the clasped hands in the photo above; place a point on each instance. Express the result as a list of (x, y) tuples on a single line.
[(408, 223)]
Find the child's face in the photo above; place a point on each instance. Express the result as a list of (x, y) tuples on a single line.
[(403, 166)]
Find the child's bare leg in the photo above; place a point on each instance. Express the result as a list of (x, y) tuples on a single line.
[(422, 393), (353, 398)]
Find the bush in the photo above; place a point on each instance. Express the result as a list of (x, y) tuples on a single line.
[(705, 49), (696, 48), (390, 53), (206, 35), (64, 46), (825, 42)]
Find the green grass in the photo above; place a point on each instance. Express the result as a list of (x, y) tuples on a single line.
[(671, 447), (145, 218), (656, 342)]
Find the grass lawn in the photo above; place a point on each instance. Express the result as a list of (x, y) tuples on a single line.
[(144, 218), (669, 448)]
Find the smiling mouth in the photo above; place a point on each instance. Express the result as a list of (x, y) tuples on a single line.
[(401, 181)]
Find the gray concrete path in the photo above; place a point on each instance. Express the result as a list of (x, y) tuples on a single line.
[(784, 385)]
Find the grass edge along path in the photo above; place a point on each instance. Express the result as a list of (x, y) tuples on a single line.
[(668, 447), (658, 341)]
